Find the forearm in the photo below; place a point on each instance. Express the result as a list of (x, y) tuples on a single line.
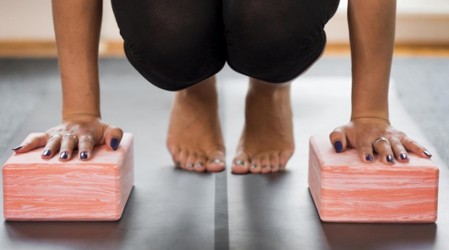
[(77, 28), (372, 29)]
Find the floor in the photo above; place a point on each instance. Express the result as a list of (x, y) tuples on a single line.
[(172, 209)]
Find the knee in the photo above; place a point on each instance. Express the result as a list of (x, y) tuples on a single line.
[(274, 44)]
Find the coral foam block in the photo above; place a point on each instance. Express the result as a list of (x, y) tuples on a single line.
[(75, 190), (344, 189)]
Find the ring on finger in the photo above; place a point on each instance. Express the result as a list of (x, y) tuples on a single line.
[(379, 139), (71, 136)]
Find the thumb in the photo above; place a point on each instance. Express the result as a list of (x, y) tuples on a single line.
[(338, 139), (113, 136)]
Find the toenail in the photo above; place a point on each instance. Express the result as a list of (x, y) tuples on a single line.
[(200, 164), (178, 164), (190, 165), (218, 161), (264, 166), (271, 166), (254, 166), (239, 162)]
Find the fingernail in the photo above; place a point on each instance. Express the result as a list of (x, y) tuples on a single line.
[(64, 155), (46, 152), (17, 148), (390, 158), (338, 146), (403, 156), (427, 153), (83, 155), (114, 143), (369, 157)]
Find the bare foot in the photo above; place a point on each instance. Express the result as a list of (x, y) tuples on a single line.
[(266, 143), (194, 136)]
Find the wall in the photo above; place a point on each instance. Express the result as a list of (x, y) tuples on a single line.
[(418, 21)]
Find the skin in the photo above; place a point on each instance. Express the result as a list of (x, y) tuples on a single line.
[(264, 147)]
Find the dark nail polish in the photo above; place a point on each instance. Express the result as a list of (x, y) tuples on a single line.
[(83, 155), (114, 143), (390, 158), (338, 146), (64, 155), (403, 156), (17, 148), (369, 158), (46, 152), (427, 153)]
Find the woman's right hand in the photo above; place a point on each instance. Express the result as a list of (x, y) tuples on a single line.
[(81, 132)]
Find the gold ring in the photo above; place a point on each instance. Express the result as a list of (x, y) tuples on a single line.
[(380, 139)]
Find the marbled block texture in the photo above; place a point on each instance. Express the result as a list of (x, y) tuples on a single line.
[(345, 189), (94, 190)]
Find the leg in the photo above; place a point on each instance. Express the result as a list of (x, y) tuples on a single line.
[(273, 43), (175, 45)]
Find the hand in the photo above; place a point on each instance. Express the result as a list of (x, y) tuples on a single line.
[(375, 135), (81, 131)]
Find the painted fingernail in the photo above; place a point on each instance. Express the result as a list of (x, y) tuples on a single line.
[(46, 152), (114, 143), (369, 157), (403, 156), (83, 155), (63, 155), (17, 148), (427, 153), (338, 146), (390, 158)]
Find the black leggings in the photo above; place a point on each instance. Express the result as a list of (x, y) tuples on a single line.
[(177, 43)]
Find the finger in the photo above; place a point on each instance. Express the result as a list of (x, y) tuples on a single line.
[(68, 143), (85, 145), (415, 147), (37, 141), (52, 146), (338, 139), (399, 151), (383, 148), (365, 150), (113, 136)]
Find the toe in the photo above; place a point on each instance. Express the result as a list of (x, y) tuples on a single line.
[(265, 162), (255, 166), (216, 162), (191, 160), (274, 162), (240, 164), (183, 156), (200, 164)]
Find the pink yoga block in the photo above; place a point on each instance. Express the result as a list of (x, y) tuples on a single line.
[(52, 190), (344, 189)]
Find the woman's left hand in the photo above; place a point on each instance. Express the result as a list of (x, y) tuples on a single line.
[(375, 136)]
